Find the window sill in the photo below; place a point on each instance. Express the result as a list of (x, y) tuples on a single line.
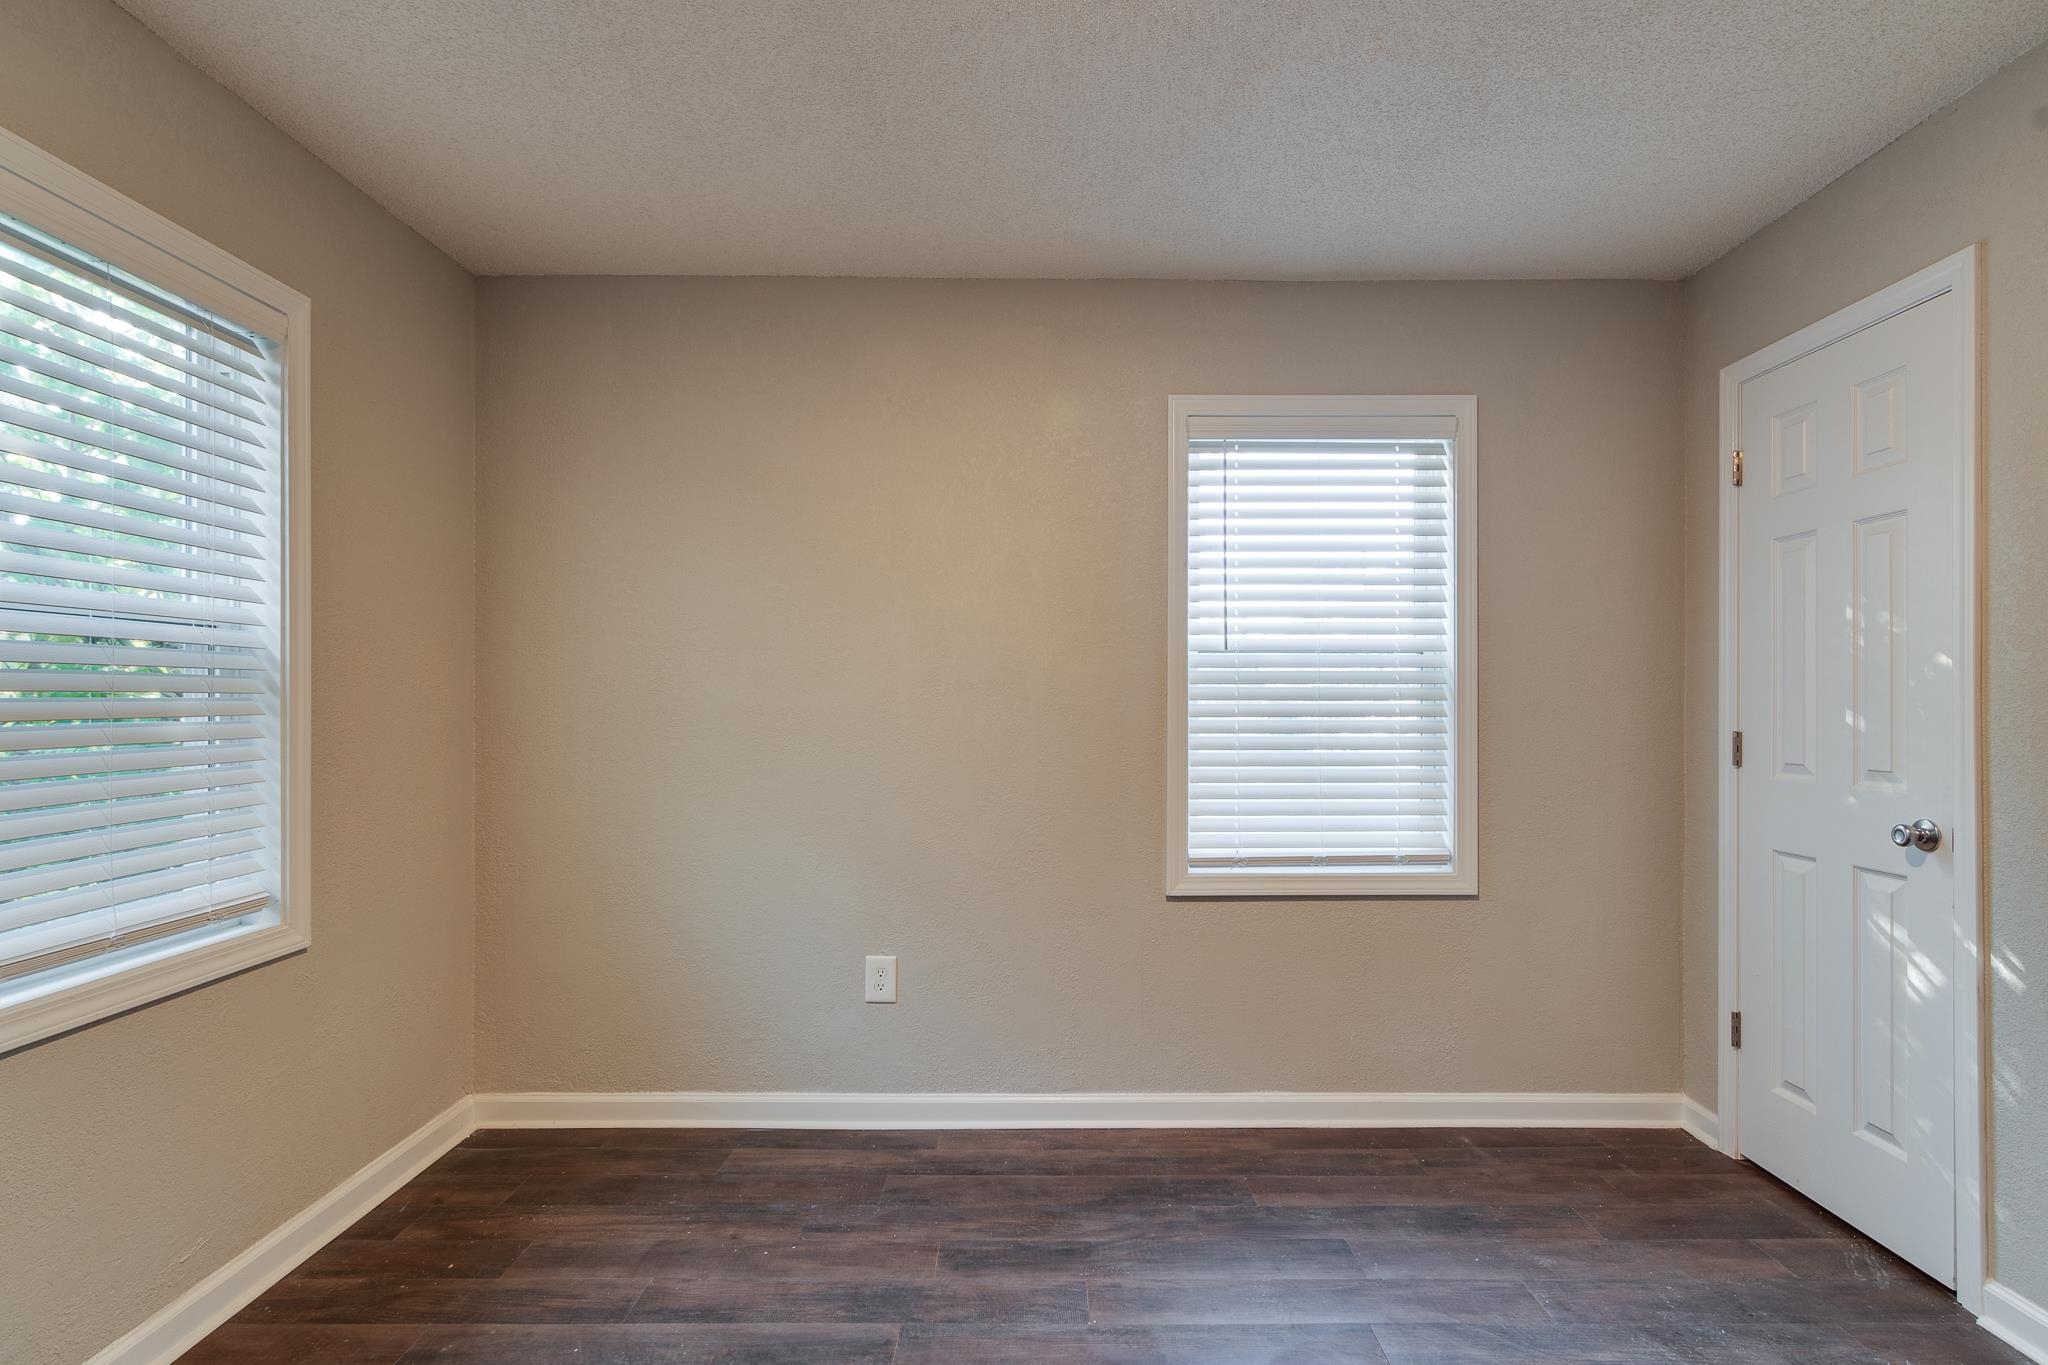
[(38, 1008), (1321, 886)]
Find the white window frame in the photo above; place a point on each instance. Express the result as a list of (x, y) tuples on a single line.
[(56, 198), (1462, 878)]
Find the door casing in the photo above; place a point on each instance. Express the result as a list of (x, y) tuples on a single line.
[(1960, 275)]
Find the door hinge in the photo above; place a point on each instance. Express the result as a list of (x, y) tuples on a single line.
[(1735, 468), (1735, 749), (1735, 1030)]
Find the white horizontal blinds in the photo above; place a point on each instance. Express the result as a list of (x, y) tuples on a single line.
[(1320, 643), (140, 577)]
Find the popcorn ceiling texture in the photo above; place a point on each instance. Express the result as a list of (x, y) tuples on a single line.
[(1093, 138)]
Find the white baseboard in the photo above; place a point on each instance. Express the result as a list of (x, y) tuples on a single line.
[(2016, 1320), (1700, 1121), (179, 1326), (176, 1328), (767, 1109)]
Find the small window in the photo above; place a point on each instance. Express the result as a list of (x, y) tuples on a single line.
[(151, 717), (1324, 737)]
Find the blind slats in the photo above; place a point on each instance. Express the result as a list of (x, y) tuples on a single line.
[(142, 527), (116, 893), (29, 383), (65, 426), (52, 268), (113, 548), (17, 711), (140, 694), (167, 480), (117, 625), (108, 597), (1320, 669), (101, 383), (20, 738), (31, 767), (55, 310), (24, 322), (209, 662), (59, 794), (22, 681), (110, 871), (109, 815), (73, 854), (113, 575), (53, 943)]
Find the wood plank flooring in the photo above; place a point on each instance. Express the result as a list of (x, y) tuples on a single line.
[(632, 1246)]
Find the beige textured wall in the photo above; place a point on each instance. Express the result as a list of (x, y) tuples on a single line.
[(139, 1154), (822, 618), (1978, 172)]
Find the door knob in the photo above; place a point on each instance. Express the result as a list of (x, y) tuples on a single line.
[(1924, 835)]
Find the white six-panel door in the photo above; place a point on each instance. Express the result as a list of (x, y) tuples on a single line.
[(1849, 642)]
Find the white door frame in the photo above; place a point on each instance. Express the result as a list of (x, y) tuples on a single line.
[(1958, 275)]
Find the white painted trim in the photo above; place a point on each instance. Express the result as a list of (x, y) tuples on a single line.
[(1962, 276), (769, 1109), (179, 1326), (99, 218), (60, 199), (115, 984), (1728, 1090), (1463, 878), (1973, 816), (1699, 1120), (2016, 1320)]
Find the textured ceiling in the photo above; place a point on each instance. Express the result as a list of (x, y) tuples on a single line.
[(1188, 138)]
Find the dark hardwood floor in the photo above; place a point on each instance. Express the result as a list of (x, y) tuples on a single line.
[(618, 1247)]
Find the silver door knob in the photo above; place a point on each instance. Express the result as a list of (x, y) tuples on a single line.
[(1924, 835)]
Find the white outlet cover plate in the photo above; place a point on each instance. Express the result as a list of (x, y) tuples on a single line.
[(881, 981)]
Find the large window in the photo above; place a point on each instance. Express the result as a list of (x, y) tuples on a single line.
[(1324, 737), (151, 711)]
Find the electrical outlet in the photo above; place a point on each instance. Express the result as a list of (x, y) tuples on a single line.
[(881, 981)]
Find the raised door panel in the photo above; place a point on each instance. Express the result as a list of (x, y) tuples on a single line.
[(1795, 921), (1795, 652), (1882, 953), (1878, 620)]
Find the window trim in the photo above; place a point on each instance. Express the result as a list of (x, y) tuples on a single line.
[(62, 200), (1462, 879)]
